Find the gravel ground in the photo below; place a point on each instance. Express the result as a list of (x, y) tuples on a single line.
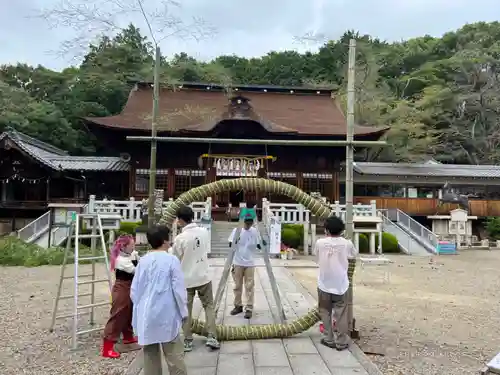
[(431, 316), (25, 314)]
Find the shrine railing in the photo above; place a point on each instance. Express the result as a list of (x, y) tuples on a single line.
[(359, 210), (131, 210), (294, 213)]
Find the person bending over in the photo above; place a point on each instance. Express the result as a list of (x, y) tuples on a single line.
[(123, 260), (159, 296), (332, 254), (191, 246), (246, 241)]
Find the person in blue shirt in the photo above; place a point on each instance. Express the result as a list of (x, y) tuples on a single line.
[(159, 296)]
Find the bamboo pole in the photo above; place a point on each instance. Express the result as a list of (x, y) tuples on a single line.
[(351, 77), (349, 185), (152, 166)]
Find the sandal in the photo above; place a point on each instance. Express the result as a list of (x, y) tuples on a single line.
[(330, 344), (340, 347)]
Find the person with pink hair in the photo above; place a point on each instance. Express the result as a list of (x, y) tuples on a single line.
[(123, 261)]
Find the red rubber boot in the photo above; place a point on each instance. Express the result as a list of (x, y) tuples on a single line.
[(108, 350)]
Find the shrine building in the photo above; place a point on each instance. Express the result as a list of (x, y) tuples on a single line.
[(248, 112)]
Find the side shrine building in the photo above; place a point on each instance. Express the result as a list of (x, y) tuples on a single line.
[(252, 112)]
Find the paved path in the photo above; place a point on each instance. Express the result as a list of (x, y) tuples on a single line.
[(298, 355)]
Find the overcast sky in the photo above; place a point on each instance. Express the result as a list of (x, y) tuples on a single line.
[(248, 28)]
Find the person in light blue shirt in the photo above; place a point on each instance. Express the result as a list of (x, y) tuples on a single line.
[(159, 296)]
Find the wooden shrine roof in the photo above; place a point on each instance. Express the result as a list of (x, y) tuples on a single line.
[(60, 160), (195, 108)]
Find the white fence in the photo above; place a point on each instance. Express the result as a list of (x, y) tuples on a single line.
[(294, 213), (287, 213), (130, 210)]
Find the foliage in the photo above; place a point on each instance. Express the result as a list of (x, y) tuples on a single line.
[(298, 229), (290, 238), (127, 228), (440, 97), (493, 228), (15, 252), (390, 243), (364, 244)]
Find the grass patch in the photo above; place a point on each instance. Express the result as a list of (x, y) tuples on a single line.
[(15, 252)]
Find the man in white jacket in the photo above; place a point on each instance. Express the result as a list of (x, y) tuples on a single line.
[(191, 247)]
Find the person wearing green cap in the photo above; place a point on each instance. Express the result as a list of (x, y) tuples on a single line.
[(246, 240), (248, 212)]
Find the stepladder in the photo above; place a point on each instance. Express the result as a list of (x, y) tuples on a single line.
[(267, 262), (86, 288)]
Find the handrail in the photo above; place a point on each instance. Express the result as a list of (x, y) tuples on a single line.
[(59, 234), (428, 237), (34, 228)]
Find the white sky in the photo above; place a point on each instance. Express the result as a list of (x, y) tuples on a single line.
[(244, 28)]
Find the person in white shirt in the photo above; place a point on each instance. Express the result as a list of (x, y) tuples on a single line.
[(246, 240), (191, 247), (332, 255)]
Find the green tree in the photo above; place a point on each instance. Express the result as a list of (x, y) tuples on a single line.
[(40, 119), (439, 96)]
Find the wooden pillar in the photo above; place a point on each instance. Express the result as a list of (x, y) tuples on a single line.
[(211, 174), (300, 180), (131, 181), (335, 186), (47, 190), (211, 177), (170, 183), (261, 173)]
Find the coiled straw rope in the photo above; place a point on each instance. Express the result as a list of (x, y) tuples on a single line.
[(317, 208)]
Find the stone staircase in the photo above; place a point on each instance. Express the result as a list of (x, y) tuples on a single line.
[(220, 234)]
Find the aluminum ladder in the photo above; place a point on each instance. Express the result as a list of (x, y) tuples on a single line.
[(98, 254)]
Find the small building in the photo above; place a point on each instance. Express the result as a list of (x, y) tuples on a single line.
[(34, 174)]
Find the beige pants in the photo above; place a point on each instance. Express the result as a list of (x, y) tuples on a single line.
[(329, 304), (207, 301), (243, 276), (174, 356)]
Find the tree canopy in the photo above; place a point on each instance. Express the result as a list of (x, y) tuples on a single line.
[(439, 96)]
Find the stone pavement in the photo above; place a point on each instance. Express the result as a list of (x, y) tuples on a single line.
[(299, 355)]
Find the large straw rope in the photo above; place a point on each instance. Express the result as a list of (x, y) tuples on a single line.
[(317, 208)]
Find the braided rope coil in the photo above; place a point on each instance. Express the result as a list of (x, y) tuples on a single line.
[(317, 208)]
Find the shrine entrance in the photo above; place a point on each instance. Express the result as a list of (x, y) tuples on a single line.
[(235, 166), (236, 197)]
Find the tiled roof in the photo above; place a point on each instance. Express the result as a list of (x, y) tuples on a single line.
[(197, 108), (58, 159), (91, 163), (428, 170)]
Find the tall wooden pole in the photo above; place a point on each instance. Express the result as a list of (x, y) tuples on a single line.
[(152, 166), (349, 184), (351, 77)]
